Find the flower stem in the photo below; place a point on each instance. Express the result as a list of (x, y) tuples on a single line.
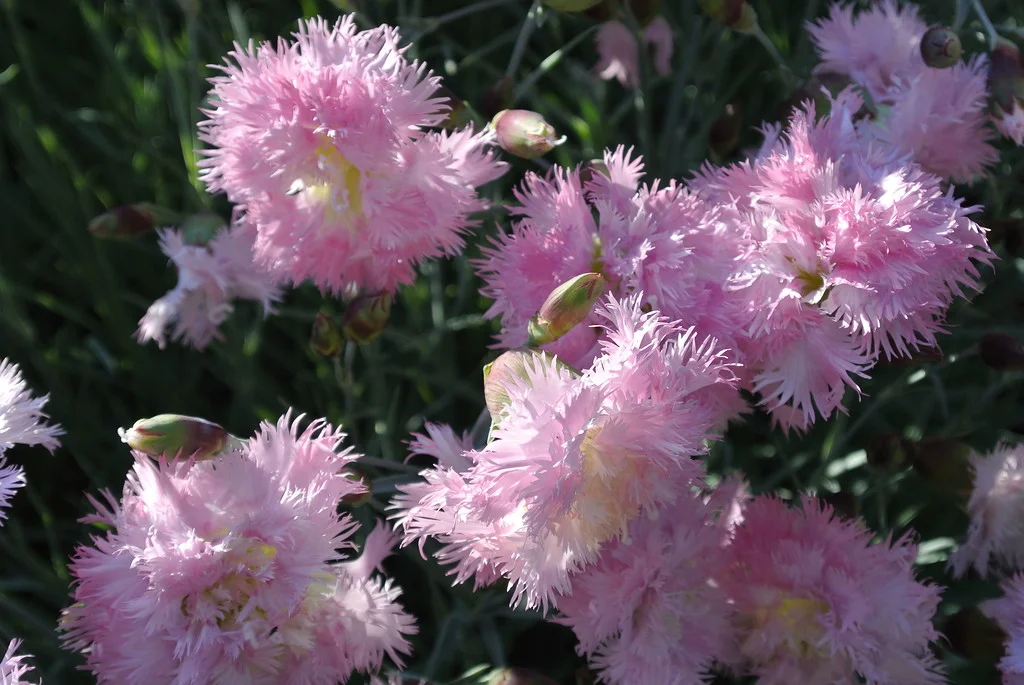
[(993, 35), (529, 24), (768, 45)]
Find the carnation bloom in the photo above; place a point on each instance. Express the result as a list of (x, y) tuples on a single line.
[(1008, 612), (618, 57), (226, 571), (573, 458), (1011, 124), (13, 667), (209, 278), (813, 601), (996, 507), (321, 142), (936, 116), (846, 254), (662, 240), (649, 610)]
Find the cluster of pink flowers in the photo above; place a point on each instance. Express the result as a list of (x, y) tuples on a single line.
[(1008, 612), (209, 277), (321, 144), (228, 571)]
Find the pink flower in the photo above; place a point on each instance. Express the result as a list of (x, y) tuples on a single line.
[(1011, 124), (1008, 612), (996, 507), (845, 255), (12, 477), (21, 415), (321, 142), (664, 241), (617, 51), (813, 601), (936, 116), (649, 610), (574, 458), (13, 667), (209, 278), (225, 571)]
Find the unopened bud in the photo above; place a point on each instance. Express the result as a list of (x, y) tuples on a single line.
[(130, 221), (326, 339), (366, 317), (1006, 90), (943, 463), (199, 229), (514, 366), (1001, 351), (591, 169), (498, 97), (519, 676), (571, 5), (357, 499), (887, 452), (567, 305), (724, 134), (523, 133), (844, 503), (974, 635), (737, 15), (176, 436), (940, 47), (456, 107)]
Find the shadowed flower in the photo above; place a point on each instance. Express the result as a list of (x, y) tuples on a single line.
[(996, 506), (226, 571), (12, 666), (1008, 612), (321, 142), (618, 56), (209, 278), (814, 601), (574, 458)]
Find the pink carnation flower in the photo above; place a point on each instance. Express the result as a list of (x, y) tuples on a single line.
[(996, 507), (936, 116), (12, 477), (664, 241), (845, 255), (226, 571), (649, 610), (21, 415), (813, 601), (13, 667), (209, 278), (574, 458), (618, 57), (1008, 612), (321, 142), (1011, 124)]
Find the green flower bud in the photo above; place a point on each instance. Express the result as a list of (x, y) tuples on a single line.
[(176, 437), (724, 134), (567, 305), (519, 676), (357, 499), (887, 452), (366, 317), (456, 108), (945, 464), (523, 133), (512, 365), (940, 47), (130, 221), (1005, 78), (737, 15), (199, 229), (326, 339)]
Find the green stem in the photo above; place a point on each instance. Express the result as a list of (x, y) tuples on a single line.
[(993, 35), (529, 24), (769, 46)]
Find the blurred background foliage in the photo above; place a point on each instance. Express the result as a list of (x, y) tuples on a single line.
[(98, 106)]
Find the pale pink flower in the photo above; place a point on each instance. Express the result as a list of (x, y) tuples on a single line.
[(12, 477), (662, 240), (617, 51), (321, 142), (996, 506), (210, 277), (814, 601), (846, 254), (225, 571), (649, 610), (443, 444), (21, 415), (12, 666), (1011, 124), (1008, 612), (574, 458)]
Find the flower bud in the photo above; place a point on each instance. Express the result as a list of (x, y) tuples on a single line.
[(130, 221), (567, 305), (456, 107), (1001, 351), (974, 635), (571, 5), (366, 317), (326, 339), (523, 133), (591, 169), (358, 499), (943, 463), (199, 229), (887, 452), (844, 503), (498, 97), (507, 368), (176, 436), (940, 47), (724, 134), (1006, 89), (737, 15), (519, 676)]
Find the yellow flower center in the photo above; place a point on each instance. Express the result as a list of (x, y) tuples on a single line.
[(794, 620), (230, 593), (602, 511), (337, 186)]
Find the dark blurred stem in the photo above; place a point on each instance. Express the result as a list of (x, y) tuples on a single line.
[(468, 10), (529, 24), (768, 45), (993, 36), (643, 114)]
